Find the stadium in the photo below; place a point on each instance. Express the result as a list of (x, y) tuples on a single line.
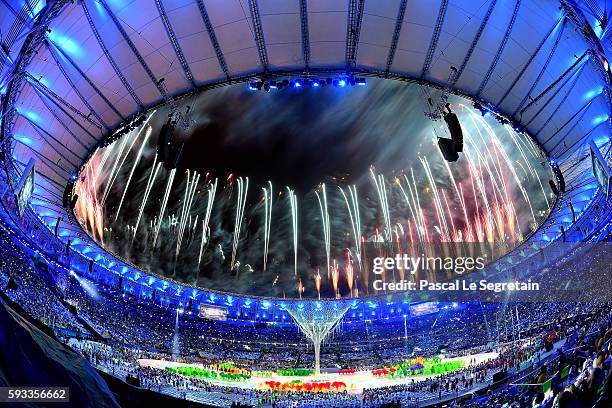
[(306, 203)]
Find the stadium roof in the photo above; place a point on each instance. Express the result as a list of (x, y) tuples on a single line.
[(72, 72)]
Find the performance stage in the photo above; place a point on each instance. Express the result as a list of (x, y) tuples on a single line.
[(355, 383)]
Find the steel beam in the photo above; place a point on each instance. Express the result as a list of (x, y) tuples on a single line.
[(87, 79), (434, 38), (305, 32), (468, 55), (110, 58), (213, 37), (502, 45), (542, 70), (175, 44), (399, 21), (259, 34), (530, 60)]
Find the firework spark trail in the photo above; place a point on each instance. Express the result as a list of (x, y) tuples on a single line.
[(162, 210), (300, 288), (194, 225), (418, 217), (476, 176), (136, 161), (453, 181), (121, 158), (184, 202), (437, 201), (335, 277), (326, 226), (494, 221), (243, 188), (450, 215), (353, 210), (350, 272), (379, 183), (517, 142), (154, 170), (205, 222), (469, 231), (411, 207), (410, 236), (268, 197), (398, 230), (112, 175), (488, 158), (509, 163), (424, 225), (506, 196), (522, 168), (190, 191), (318, 283), (87, 207), (518, 145), (484, 160), (102, 163), (515, 176), (185, 216), (478, 225), (294, 223), (507, 204)]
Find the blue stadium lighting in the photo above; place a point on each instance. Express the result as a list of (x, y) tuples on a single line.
[(23, 139), (33, 116), (73, 177), (598, 30), (252, 87), (37, 8), (600, 119), (360, 81), (342, 83), (117, 3), (297, 83), (66, 44), (316, 84), (593, 93)]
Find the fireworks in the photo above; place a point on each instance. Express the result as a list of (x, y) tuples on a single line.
[(162, 209), (206, 221), (267, 221), (325, 222), (402, 203), (353, 211), (294, 212), (243, 189)]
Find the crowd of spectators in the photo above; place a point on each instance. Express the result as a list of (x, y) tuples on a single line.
[(128, 329), (22, 283), (587, 330)]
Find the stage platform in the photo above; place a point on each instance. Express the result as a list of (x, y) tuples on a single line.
[(355, 382)]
